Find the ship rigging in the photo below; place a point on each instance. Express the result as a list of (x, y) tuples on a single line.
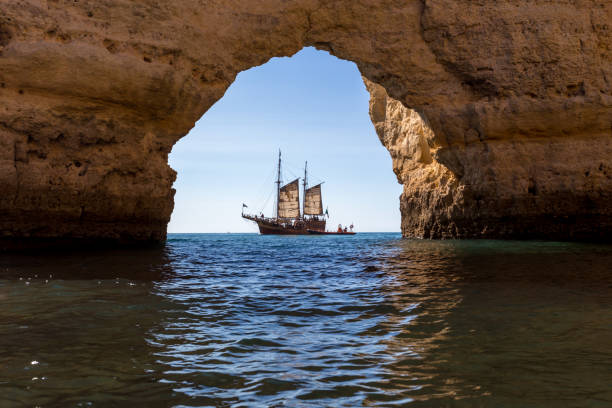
[(289, 218)]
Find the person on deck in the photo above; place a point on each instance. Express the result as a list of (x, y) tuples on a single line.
[(340, 228)]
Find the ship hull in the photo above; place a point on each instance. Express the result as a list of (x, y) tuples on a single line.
[(269, 226), (280, 230)]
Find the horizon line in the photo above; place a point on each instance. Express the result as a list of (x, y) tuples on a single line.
[(257, 233)]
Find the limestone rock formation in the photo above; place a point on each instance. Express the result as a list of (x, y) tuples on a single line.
[(551, 188), (498, 115)]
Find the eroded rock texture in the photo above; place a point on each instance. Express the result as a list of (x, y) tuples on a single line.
[(498, 114), (548, 188)]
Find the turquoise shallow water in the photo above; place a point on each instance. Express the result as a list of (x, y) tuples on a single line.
[(226, 320)]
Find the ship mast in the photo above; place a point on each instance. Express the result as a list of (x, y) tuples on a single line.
[(278, 183), (305, 187)]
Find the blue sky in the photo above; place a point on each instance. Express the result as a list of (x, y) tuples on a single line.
[(312, 106)]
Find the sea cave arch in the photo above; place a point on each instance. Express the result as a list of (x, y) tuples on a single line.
[(313, 107), (498, 116)]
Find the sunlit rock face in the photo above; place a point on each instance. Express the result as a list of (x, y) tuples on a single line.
[(498, 115), (556, 188)]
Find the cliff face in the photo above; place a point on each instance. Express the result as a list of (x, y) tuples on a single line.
[(553, 188), (498, 116)]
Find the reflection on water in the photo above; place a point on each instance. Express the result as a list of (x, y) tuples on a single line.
[(504, 324), (371, 320)]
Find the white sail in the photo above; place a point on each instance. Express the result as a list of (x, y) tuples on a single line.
[(313, 204), (289, 200)]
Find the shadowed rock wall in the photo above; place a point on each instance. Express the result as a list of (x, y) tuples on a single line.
[(512, 137)]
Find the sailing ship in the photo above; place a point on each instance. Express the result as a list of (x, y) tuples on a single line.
[(290, 219)]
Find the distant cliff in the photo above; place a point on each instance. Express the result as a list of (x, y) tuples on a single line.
[(498, 116)]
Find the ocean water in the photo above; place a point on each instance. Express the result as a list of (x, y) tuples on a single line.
[(230, 320)]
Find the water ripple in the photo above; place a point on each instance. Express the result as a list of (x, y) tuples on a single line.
[(243, 320)]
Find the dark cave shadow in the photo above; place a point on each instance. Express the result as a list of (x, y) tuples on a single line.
[(141, 264)]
